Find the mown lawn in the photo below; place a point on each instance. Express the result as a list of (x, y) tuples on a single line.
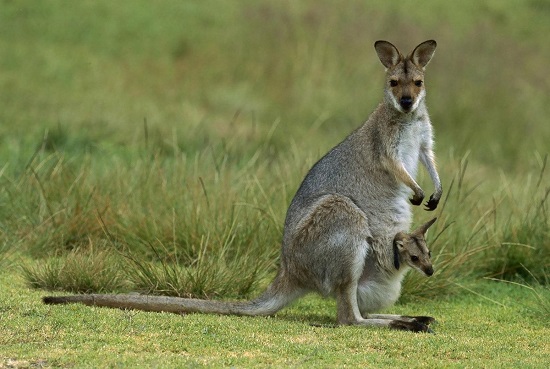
[(497, 325)]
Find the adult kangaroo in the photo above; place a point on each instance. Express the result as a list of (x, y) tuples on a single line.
[(345, 232)]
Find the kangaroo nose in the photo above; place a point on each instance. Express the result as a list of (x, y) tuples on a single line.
[(406, 102)]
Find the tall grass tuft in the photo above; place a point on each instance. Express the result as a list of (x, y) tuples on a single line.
[(80, 270), (186, 226), (207, 275), (523, 250)]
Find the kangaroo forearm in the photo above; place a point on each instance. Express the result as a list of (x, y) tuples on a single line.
[(428, 160), (398, 170)]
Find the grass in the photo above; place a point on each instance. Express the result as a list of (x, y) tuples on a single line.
[(494, 331), (156, 149)]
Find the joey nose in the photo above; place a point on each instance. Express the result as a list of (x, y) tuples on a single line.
[(429, 271), (406, 102)]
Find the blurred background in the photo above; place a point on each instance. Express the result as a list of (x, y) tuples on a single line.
[(95, 70), (131, 123)]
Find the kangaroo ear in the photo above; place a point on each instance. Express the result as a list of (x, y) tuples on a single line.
[(387, 53), (423, 53)]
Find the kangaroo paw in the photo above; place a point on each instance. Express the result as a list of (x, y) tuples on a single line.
[(427, 320), (413, 326), (416, 200), (431, 204)]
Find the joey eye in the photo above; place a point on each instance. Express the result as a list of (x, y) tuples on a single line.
[(393, 82), (418, 83), (414, 258), (429, 253)]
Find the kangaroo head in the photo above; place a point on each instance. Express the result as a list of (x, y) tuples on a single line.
[(404, 88), (410, 248)]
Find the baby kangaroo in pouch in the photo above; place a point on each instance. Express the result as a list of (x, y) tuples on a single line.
[(345, 232)]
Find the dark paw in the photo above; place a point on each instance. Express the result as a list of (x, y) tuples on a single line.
[(424, 319), (413, 326), (431, 204), (416, 200)]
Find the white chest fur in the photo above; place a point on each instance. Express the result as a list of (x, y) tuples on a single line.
[(410, 141)]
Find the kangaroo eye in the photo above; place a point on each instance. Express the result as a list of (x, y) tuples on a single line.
[(393, 83), (414, 258), (418, 83)]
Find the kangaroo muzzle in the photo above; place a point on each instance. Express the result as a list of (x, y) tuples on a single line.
[(406, 103)]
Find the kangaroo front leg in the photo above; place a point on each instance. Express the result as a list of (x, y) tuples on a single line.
[(399, 171), (428, 160)]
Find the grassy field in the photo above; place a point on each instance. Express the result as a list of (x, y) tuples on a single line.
[(155, 146), (472, 332)]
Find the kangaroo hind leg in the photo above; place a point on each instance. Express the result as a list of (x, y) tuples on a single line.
[(329, 250), (348, 313)]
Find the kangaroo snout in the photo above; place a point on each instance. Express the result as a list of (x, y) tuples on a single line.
[(406, 102)]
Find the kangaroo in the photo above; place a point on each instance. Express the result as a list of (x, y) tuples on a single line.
[(380, 283), (343, 234), (376, 164)]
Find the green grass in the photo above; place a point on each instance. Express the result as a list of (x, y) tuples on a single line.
[(155, 147), (496, 330)]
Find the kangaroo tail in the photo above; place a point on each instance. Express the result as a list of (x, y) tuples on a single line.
[(272, 300)]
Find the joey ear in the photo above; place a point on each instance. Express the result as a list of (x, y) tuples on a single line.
[(397, 244), (422, 54), (424, 227), (395, 255), (398, 239), (387, 53)]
